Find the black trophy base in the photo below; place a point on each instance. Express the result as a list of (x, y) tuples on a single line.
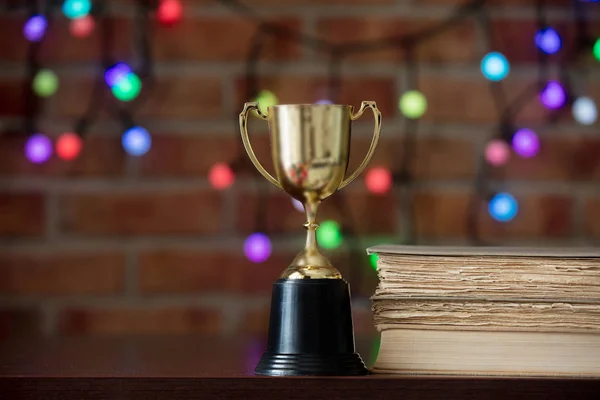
[(311, 330)]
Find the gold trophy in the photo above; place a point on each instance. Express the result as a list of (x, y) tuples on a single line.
[(310, 327)]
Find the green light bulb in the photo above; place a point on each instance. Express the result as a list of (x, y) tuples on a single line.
[(45, 83), (373, 259), (329, 235), (412, 104), (597, 49), (127, 88), (266, 99)]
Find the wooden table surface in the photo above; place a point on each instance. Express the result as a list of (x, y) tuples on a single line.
[(199, 367)]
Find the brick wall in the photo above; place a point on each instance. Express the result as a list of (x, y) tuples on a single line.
[(110, 243)]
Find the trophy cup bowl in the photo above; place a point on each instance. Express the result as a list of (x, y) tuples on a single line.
[(310, 327)]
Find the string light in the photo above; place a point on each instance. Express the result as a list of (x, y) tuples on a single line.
[(378, 180), (38, 148), (257, 247), (45, 83), (526, 143), (82, 27), (553, 96), (297, 205), (76, 8), (115, 73), (68, 146), (585, 111), (136, 141), (412, 104), (265, 100), (596, 50), (497, 152), (548, 40), (35, 28), (503, 207), (221, 176), (127, 87), (169, 12), (495, 66), (329, 235)]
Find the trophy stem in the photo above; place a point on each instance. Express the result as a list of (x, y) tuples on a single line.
[(311, 226)]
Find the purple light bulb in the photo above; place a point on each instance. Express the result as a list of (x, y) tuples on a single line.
[(553, 96), (257, 247), (548, 40), (35, 28), (38, 148), (526, 143), (115, 73)]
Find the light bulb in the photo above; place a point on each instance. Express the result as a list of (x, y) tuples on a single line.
[(82, 27), (503, 207), (68, 146), (526, 143), (221, 176), (548, 40), (412, 104), (76, 8), (329, 235), (553, 96), (136, 141), (495, 66), (378, 180), (497, 152), (35, 28), (585, 111), (257, 247), (45, 83), (38, 148)]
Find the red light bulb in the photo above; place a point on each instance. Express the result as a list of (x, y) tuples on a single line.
[(169, 12), (221, 176), (82, 27), (378, 180), (68, 146)]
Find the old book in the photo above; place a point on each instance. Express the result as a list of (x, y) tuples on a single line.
[(487, 310)]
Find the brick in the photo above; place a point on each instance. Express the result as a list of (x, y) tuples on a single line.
[(12, 101), (351, 210), (456, 45), (127, 320), (195, 271), (566, 159), (59, 45), (292, 89), (22, 214), (145, 212), (194, 40), (469, 100), (178, 155), (168, 97), (592, 217), (19, 322), (432, 158), (445, 215), (100, 156), (61, 274)]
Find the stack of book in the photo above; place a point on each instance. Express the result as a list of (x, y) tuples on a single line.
[(491, 311)]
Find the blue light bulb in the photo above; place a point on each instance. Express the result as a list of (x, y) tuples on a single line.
[(136, 141), (76, 8), (495, 66), (548, 40), (503, 207)]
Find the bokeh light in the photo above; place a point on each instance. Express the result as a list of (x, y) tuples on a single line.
[(257, 247), (115, 73), (497, 152), (373, 260), (221, 176), (329, 235), (82, 27), (412, 104), (324, 101), (127, 87), (38, 148), (297, 205), (45, 83), (548, 40), (495, 66), (76, 8), (136, 141), (585, 111), (169, 12), (553, 96), (378, 180), (35, 28), (596, 50), (68, 146), (525, 142), (503, 207), (265, 100)]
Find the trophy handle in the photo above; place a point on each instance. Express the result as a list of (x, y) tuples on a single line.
[(377, 115), (244, 130)]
